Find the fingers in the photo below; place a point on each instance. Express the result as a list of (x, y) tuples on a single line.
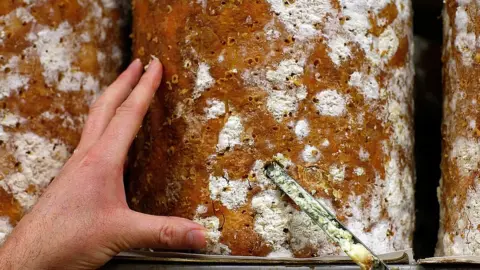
[(104, 108), (124, 126), (146, 231)]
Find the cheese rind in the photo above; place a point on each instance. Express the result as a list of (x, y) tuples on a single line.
[(325, 85), (458, 192), (55, 57)]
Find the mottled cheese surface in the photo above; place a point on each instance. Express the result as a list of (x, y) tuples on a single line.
[(324, 85), (458, 193), (55, 57)]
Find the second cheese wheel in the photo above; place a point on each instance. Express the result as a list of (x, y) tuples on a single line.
[(55, 57), (459, 232)]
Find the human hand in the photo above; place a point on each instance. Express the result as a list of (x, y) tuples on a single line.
[(83, 220)]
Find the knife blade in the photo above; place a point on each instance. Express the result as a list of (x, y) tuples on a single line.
[(327, 221)]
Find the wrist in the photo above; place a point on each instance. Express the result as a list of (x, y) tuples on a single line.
[(14, 254), (7, 258)]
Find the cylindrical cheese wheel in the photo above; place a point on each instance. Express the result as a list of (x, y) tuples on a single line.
[(325, 86), (54, 57), (458, 193)]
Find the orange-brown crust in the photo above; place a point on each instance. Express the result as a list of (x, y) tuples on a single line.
[(459, 185), (39, 106), (173, 158)]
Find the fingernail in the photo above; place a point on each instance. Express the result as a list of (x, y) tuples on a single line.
[(196, 239), (153, 61), (136, 61)]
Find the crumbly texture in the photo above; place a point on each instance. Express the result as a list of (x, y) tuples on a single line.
[(320, 215), (458, 193), (55, 57), (326, 86)]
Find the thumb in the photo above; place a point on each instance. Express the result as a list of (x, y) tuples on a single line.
[(147, 231)]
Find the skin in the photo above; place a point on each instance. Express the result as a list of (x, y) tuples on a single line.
[(83, 220)]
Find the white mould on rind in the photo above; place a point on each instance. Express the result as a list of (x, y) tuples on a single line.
[(458, 191), (51, 56), (315, 117)]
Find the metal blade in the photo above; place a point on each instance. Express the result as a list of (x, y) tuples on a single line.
[(347, 241)]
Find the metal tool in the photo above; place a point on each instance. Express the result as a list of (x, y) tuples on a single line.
[(338, 233)]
